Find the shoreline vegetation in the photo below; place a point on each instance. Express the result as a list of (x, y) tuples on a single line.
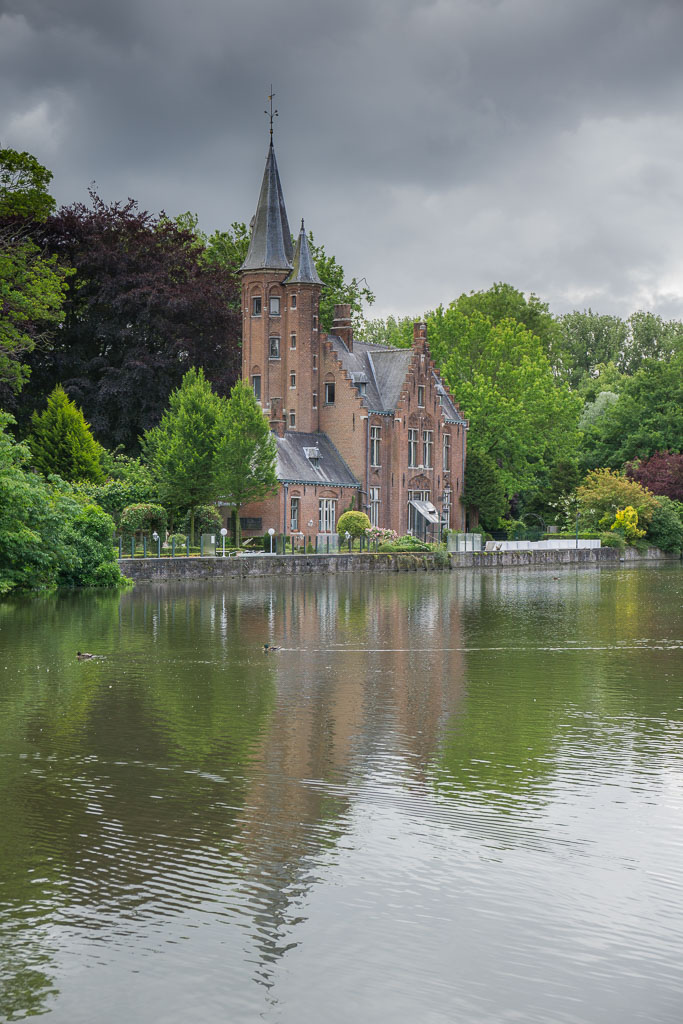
[(122, 411)]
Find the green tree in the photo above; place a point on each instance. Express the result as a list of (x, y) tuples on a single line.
[(604, 492), (504, 302), (32, 287), (645, 419), (590, 339), (520, 415), (666, 526), (61, 441), (484, 493), (182, 450), (246, 457), (50, 534)]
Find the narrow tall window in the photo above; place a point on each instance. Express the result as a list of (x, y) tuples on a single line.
[(293, 302), (256, 384), (412, 447), (315, 362), (421, 396), (274, 305), (375, 436), (256, 306), (292, 341), (374, 506), (292, 419), (315, 323), (274, 348), (329, 393), (294, 514), (292, 380), (427, 445), (446, 452), (315, 400)]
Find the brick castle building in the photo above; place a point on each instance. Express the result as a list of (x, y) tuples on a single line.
[(355, 424)]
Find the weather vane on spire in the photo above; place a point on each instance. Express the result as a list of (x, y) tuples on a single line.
[(271, 113)]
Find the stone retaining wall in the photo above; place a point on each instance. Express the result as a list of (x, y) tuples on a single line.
[(155, 569)]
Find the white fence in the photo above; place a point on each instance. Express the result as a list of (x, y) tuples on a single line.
[(561, 544)]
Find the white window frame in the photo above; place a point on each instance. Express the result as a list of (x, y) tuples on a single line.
[(257, 391), (292, 302), (292, 341), (274, 305), (292, 419), (274, 349), (294, 510), (327, 515), (330, 384), (292, 381), (256, 301), (374, 506), (446, 452), (427, 448), (420, 396)]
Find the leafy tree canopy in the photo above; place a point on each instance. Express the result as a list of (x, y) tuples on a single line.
[(141, 309), (645, 419), (484, 490), (61, 441), (604, 492), (49, 534), (32, 286), (662, 474), (182, 451), (246, 455), (519, 414)]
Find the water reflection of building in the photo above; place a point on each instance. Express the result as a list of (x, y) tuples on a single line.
[(371, 669)]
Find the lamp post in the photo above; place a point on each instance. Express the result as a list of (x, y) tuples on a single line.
[(348, 539), (578, 515), (157, 539), (271, 531), (223, 535)]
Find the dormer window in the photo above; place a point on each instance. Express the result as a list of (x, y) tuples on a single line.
[(256, 306), (313, 455), (274, 305)]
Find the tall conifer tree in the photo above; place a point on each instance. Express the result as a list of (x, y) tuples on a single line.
[(61, 441)]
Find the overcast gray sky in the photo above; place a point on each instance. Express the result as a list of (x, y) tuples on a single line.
[(434, 146)]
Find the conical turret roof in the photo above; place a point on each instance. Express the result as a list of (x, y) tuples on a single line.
[(270, 247), (304, 271)]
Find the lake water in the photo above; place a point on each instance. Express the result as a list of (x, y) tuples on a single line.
[(446, 798)]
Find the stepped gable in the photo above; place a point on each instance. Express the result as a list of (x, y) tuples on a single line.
[(383, 370), (304, 458), (270, 246)]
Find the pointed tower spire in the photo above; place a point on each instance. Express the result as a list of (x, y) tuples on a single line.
[(304, 271), (270, 247)]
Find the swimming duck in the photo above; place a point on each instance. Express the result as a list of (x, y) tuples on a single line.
[(84, 656), (270, 647)]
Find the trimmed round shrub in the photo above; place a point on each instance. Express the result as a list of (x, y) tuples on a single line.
[(355, 523), (145, 517)]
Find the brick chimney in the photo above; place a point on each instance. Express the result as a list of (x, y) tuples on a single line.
[(277, 419), (341, 325), (420, 336)]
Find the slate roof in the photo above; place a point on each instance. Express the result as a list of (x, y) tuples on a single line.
[(304, 271), (270, 247), (294, 466), (383, 370)]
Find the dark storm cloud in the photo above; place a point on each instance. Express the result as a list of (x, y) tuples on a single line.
[(433, 146)]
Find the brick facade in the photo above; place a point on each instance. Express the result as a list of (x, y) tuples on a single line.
[(387, 412)]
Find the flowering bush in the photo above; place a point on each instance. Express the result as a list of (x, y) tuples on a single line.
[(626, 522), (379, 534)]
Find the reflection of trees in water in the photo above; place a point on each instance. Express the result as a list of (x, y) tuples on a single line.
[(552, 668)]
